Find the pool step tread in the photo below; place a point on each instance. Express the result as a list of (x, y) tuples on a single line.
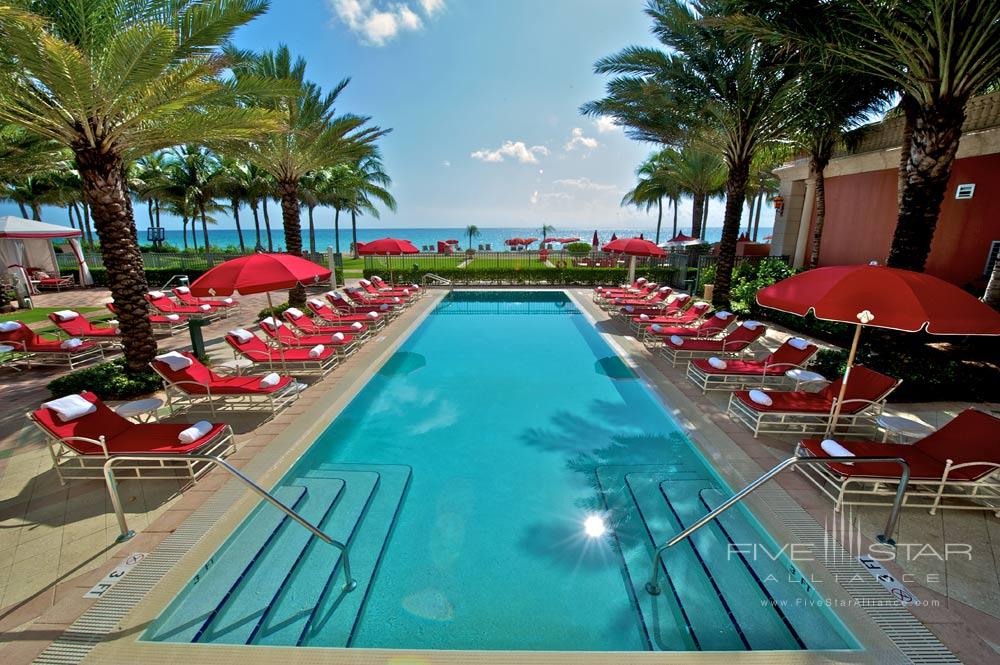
[(709, 617), (321, 567), (812, 627), (240, 613), (218, 577), (762, 625), (336, 628)]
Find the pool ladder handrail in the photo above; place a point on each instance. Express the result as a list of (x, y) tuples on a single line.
[(653, 587), (109, 478), (436, 279)]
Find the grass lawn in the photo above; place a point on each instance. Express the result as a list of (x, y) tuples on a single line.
[(40, 313), (508, 262), (404, 263)]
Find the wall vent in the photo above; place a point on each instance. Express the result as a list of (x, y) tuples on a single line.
[(965, 190)]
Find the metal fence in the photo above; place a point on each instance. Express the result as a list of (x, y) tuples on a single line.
[(488, 260), (163, 261)]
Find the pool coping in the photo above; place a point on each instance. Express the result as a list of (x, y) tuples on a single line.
[(110, 631)]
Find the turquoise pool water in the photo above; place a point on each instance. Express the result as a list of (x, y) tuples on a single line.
[(463, 475)]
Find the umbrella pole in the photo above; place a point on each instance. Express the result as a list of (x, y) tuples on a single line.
[(281, 348), (843, 384), (631, 270)]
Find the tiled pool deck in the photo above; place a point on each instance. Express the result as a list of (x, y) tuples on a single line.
[(56, 542)]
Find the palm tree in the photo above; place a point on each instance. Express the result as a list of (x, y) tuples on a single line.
[(656, 182), (198, 173), (936, 54), (312, 136), (473, 232), (116, 80), (710, 80), (698, 172), (233, 184), (365, 184), (146, 178)]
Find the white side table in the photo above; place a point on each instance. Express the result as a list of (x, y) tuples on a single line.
[(801, 376), (901, 428), (141, 410), (235, 366)]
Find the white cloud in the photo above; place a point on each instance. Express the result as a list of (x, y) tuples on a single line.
[(378, 22), (578, 140), (514, 149), (446, 163), (548, 197), (582, 183), (605, 124)]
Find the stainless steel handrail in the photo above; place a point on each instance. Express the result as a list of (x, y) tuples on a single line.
[(109, 478), (437, 279), (182, 278), (653, 587)]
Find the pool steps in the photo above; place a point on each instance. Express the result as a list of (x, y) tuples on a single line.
[(243, 601)]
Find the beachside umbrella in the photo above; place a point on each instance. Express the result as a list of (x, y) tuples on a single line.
[(613, 236), (569, 240), (880, 297), (596, 241), (451, 242), (681, 240), (528, 241), (633, 247), (512, 242), (388, 247), (259, 273)]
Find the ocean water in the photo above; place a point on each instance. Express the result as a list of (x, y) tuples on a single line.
[(420, 236)]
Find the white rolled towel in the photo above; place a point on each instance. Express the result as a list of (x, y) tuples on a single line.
[(70, 407), (112, 323), (175, 361), (641, 280), (700, 305), (376, 278), (751, 325), (295, 312), (66, 315), (629, 308), (156, 295), (182, 289), (173, 317), (644, 317), (357, 325), (316, 302), (384, 307), (396, 299), (617, 301), (656, 327), (364, 281), (406, 292), (228, 301), (334, 294), (717, 363), (415, 286), (205, 308), (761, 397), (71, 343), (723, 315), (195, 432), (270, 380), (664, 289), (372, 315), (798, 343), (9, 326), (271, 322), (242, 335), (317, 351), (677, 340), (339, 336), (834, 449)]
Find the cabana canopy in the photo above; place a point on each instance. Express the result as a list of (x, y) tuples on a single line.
[(27, 244)]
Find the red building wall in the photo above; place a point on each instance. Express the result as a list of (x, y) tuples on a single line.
[(861, 217)]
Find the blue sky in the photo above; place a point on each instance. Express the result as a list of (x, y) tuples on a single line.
[(482, 97)]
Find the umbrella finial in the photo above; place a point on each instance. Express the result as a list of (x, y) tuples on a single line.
[(865, 317), (873, 262)]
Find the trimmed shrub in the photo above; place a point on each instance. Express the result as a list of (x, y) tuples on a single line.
[(578, 248), (109, 381)]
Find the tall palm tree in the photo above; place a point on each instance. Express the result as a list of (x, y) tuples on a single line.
[(545, 231), (708, 79), (198, 173), (147, 178), (232, 184), (699, 173), (366, 184), (656, 182), (473, 232), (113, 81), (936, 54), (312, 136)]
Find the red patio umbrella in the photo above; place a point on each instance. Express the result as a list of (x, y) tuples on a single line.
[(881, 297), (512, 242), (388, 247), (681, 239), (528, 241), (569, 240), (596, 241), (633, 247), (451, 242)]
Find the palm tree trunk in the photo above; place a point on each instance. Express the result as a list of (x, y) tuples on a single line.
[(149, 210), (239, 230), (736, 187), (909, 106), (697, 213), (24, 211), (756, 220), (354, 234), (992, 295), (267, 224), (86, 221), (673, 204), (704, 218), (256, 222), (69, 213), (312, 231), (157, 212), (204, 226), (194, 233), (336, 229), (106, 190), (184, 231), (36, 211), (293, 233), (934, 142), (659, 218), (817, 165)]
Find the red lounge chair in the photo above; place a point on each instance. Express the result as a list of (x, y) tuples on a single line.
[(80, 447), (165, 305), (801, 412), (403, 292), (716, 324), (330, 315), (657, 300), (736, 342), (184, 297), (43, 280), (751, 373), (637, 290), (955, 468), (359, 298), (255, 350), (339, 301), (79, 326), (41, 351), (382, 285), (282, 334), (196, 385), (307, 326), (161, 322), (673, 314)]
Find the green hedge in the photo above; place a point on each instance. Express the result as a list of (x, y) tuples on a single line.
[(109, 381), (569, 276)]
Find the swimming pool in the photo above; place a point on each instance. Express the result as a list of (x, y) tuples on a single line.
[(500, 482)]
